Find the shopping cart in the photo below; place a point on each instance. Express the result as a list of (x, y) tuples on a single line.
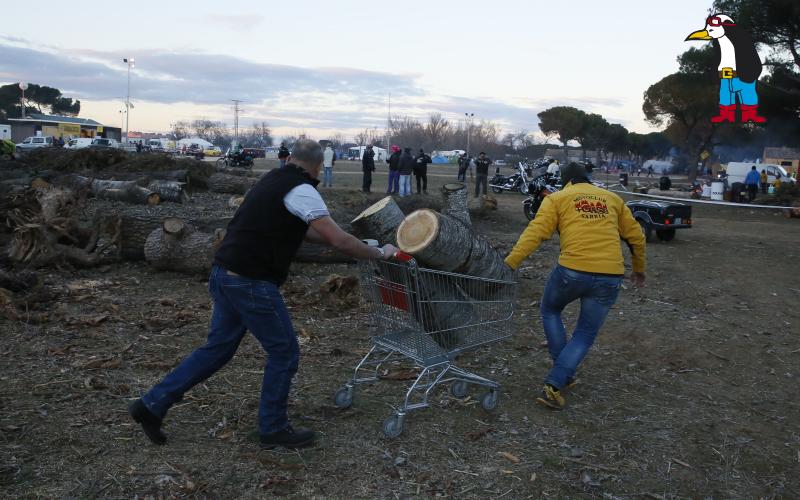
[(429, 317)]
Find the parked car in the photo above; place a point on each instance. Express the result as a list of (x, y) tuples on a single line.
[(213, 151), (79, 143), (102, 143), (663, 217), (34, 143)]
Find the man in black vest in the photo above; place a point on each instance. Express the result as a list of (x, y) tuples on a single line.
[(367, 166), (278, 213), (421, 171)]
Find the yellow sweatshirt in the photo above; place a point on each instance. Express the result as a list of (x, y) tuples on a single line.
[(590, 222)]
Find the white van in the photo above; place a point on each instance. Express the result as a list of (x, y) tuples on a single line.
[(737, 171), (79, 143)]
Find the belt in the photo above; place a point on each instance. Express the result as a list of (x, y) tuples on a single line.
[(728, 73)]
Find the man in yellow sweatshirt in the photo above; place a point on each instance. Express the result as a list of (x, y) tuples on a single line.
[(590, 222)]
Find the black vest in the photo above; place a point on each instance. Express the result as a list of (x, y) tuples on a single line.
[(263, 235)]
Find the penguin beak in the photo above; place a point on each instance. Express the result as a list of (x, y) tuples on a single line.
[(698, 35)]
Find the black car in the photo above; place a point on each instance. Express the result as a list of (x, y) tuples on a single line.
[(663, 217)]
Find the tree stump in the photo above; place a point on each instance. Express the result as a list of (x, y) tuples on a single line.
[(231, 184), (454, 203), (379, 222)]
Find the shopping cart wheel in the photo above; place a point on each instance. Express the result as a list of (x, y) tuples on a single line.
[(343, 397), (393, 426), (490, 399), (459, 389)]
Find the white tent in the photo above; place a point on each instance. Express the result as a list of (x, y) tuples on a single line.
[(194, 140), (358, 152)]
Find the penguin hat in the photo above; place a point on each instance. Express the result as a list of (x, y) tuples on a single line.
[(738, 66)]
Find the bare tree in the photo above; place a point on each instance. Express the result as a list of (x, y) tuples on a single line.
[(362, 137), (436, 131)]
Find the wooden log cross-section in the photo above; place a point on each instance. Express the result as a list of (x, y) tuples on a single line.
[(379, 222), (173, 191), (443, 243)]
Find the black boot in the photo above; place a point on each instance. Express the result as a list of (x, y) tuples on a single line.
[(150, 423), (288, 438)]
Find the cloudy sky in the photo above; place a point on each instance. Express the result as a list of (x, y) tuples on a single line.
[(322, 67)]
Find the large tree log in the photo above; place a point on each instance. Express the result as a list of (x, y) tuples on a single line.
[(127, 191), (454, 202), (441, 242), (238, 172), (136, 227), (176, 246), (232, 184), (379, 222), (173, 191), (310, 252)]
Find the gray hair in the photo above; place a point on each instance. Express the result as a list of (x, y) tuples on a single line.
[(307, 151)]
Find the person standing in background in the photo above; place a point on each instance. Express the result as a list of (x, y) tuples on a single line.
[(367, 167), (405, 168), (421, 171), (482, 174), (751, 183), (764, 181), (327, 165), (463, 163), (394, 173), (283, 154)]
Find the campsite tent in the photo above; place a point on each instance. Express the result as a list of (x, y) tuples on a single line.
[(357, 153), (194, 140)]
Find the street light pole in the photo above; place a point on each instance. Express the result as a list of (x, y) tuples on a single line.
[(22, 87), (131, 64), (468, 119)]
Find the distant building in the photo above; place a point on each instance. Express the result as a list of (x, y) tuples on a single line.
[(60, 126), (788, 158)]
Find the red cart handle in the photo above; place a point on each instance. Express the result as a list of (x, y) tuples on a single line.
[(403, 257)]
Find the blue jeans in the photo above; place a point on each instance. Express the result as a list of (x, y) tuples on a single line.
[(283, 162), (240, 304), (405, 185), (597, 294), (394, 182), (729, 88), (327, 176)]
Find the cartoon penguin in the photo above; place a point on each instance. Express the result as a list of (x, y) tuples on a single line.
[(739, 68)]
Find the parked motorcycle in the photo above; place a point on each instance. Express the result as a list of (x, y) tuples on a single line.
[(515, 182), (538, 190), (236, 160)]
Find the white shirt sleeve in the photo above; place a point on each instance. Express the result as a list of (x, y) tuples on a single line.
[(305, 203)]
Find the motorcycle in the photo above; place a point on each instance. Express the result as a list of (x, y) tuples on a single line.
[(515, 182), (236, 160), (538, 190)]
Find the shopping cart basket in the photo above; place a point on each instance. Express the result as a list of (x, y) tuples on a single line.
[(429, 317)]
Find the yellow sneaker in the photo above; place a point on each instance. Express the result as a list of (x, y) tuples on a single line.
[(551, 398)]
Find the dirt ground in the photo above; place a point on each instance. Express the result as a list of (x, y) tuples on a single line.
[(689, 392)]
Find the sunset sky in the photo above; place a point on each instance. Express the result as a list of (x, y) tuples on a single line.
[(322, 67)]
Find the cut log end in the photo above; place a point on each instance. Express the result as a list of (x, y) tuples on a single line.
[(417, 231), (173, 225), (373, 209), (153, 199), (453, 186)]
